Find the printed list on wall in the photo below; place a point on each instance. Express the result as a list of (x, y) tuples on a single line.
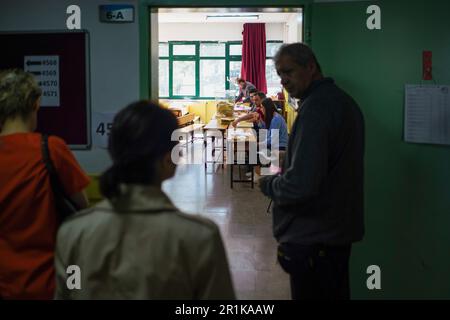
[(46, 71), (427, 114)]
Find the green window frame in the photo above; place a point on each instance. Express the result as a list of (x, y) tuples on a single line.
[(228, 58)]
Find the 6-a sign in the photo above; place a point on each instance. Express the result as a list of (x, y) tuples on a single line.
[(117, 13)]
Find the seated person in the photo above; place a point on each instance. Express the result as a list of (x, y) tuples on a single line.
[(252, 116), (136, 244), (273, 120), (244, 90), (252, 104), (28, 217)]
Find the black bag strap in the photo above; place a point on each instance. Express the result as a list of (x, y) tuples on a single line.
[(56, 184)]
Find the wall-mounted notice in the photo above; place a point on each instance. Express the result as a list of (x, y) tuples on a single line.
[(101, 127), (117, 13), (46, 71), (427, 114)]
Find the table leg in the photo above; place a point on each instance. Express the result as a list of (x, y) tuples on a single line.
[(231, 175)]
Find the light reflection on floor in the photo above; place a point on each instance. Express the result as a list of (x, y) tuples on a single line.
[(244, 223)]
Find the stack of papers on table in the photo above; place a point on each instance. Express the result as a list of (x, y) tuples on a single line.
[(238, 107), (245, 124), (239, 134)]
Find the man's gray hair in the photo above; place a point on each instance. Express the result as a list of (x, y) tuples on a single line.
[(299, 52), (19, 92)]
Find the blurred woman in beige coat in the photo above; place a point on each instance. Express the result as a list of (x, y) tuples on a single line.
[(136, 244)]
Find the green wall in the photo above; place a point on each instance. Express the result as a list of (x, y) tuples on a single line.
[(407, 186)]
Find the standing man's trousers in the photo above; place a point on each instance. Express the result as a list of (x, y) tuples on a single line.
[(317, 271)]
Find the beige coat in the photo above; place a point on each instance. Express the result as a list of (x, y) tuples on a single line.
[(142, 247)]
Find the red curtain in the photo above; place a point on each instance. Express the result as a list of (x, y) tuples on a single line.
[(253, 67)]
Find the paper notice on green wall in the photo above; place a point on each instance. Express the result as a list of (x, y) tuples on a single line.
[(427, 114)]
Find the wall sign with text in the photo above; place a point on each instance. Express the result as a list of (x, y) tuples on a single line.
[(101, 128), (46, 71), (116, 13)]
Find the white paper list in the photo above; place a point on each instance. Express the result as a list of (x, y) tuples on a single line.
[(46, 71), (427, 114)]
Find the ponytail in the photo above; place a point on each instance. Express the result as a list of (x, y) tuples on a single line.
[(139, 171), (109, 183)]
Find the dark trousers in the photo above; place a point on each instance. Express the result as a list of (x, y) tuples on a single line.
[(317, 271)]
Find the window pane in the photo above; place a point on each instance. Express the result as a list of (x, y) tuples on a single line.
[(163, 78), (184, 49), (183, 78), (235, 49), (163, 49), (272, 78), (272, 48), (212, 78), (212, 49), (235, 72)]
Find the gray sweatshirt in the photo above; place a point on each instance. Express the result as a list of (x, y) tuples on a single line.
[(318, 199)]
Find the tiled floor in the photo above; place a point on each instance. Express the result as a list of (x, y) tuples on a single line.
[(245, 225)]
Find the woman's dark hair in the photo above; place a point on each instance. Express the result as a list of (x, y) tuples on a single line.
[(239, 80), (270, 109), (140, 135)]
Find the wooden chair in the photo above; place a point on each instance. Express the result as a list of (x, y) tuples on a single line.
[(186, 120)]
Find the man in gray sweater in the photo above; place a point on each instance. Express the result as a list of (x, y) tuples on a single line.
[(318, 198), (244, 90)]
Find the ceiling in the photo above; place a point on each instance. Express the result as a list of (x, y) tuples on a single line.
[(200, 17)]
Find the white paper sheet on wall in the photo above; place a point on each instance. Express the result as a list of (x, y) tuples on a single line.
[(46, 71), (427, 114)]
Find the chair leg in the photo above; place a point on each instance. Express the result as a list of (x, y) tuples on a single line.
[(270, 204), (253, 176), (231, 175), (205, 149)]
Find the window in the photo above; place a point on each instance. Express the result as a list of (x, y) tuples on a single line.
[(236, 49), (212, 73), (272, 78), (234, 64), (212, 69), (163, 77), (163, 50), (184, 76), (163, 70), (272, 48), (235, 72), (212, 49), (184, 50), (206, 69)]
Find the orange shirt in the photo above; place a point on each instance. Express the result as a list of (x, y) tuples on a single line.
[(28, 220)]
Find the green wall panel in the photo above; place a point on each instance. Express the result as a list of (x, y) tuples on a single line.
[(407, 186)]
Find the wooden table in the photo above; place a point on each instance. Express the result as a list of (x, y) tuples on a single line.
[(189, 131), (249, 138), (214, 125)]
